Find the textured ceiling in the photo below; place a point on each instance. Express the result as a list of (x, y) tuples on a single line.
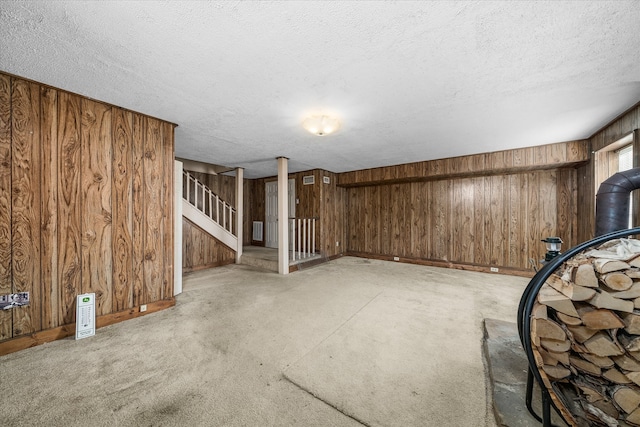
[(411, 81)]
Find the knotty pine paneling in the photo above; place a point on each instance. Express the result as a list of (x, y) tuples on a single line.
[(490, 221), (6, 317), (25, 203), (139, 209), (86, 194), (49, 189), (122, 209), (168, 178), (153, 267), (200, 250), (96, 201), (69, 206)]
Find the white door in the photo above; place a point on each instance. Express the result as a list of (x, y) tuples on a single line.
[(271, 210)]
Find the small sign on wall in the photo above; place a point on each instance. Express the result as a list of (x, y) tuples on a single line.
[(85, 315)]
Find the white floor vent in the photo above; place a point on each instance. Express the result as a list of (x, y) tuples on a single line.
[(258, 227)]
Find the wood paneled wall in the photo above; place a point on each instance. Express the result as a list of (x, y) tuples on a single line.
[(86, 193), (325, 202), (588, 184), (200, 250), (564, 154), (494, 220)]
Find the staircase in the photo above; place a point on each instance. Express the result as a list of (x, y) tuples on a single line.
[(205, 209)]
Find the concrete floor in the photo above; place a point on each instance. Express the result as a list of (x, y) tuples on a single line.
[(350, 342)]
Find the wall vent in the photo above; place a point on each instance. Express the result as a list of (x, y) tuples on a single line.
[(258, 227), (308, 180)]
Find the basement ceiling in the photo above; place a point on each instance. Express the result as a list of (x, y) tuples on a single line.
[(411, 81)]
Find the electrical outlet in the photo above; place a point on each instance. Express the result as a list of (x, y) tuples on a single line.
[(494, 269), (396, 258), (143, 308), (337, 243)]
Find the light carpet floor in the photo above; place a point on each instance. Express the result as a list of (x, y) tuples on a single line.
[(347, 343)]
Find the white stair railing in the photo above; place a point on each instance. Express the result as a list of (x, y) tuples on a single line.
[(202, 198), (303, 232)]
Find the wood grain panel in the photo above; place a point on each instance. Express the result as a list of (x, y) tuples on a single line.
[(566, 214), (496, 223), (69, 216), (440, 220), (6, 317), (480, 214), (153, 194), (25, 220), (200, 250), (96, 199), (548, 204), (385, 220), (552, 156), (49, 227), (168, 179), (139, 209), (533, 215), (122, 209)]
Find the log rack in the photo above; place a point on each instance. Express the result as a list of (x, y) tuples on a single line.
[(524, 321)]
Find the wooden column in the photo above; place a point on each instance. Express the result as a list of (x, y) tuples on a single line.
[(283, 216), (239, 211)]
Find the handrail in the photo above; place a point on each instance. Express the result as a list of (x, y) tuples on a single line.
[(206, 201), (304, 246)]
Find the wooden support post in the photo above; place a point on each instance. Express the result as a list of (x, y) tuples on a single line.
[(283, 215), (239, 211)]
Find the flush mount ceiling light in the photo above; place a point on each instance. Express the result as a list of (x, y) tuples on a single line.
[(321, 125)]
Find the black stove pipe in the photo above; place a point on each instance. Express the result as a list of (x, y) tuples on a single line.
[(612, 201)]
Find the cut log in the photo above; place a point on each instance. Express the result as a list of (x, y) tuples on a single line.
[(545, 358), (604, 265), (585, 366), (591, 394), (560, 357), (616, 376), (608, 408), (634, 273), (635, 262), (584, 275), (601, 345), (603, 362), (632, 293), (634, 418), (631, 343), (634, 376), (631, 323), (571, 291), (545, 328), (617, 281), (554, 299), (568, 320), (581, 333), (601, 319), (627, 363), (603, 299), (557, 372), (539, 311), (555, 346), (597, 414), (626, 398), (636, 304)]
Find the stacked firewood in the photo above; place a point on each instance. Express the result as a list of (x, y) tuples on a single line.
[(585, 331)]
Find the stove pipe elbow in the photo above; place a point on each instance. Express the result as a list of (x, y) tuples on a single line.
[(612, 201)]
